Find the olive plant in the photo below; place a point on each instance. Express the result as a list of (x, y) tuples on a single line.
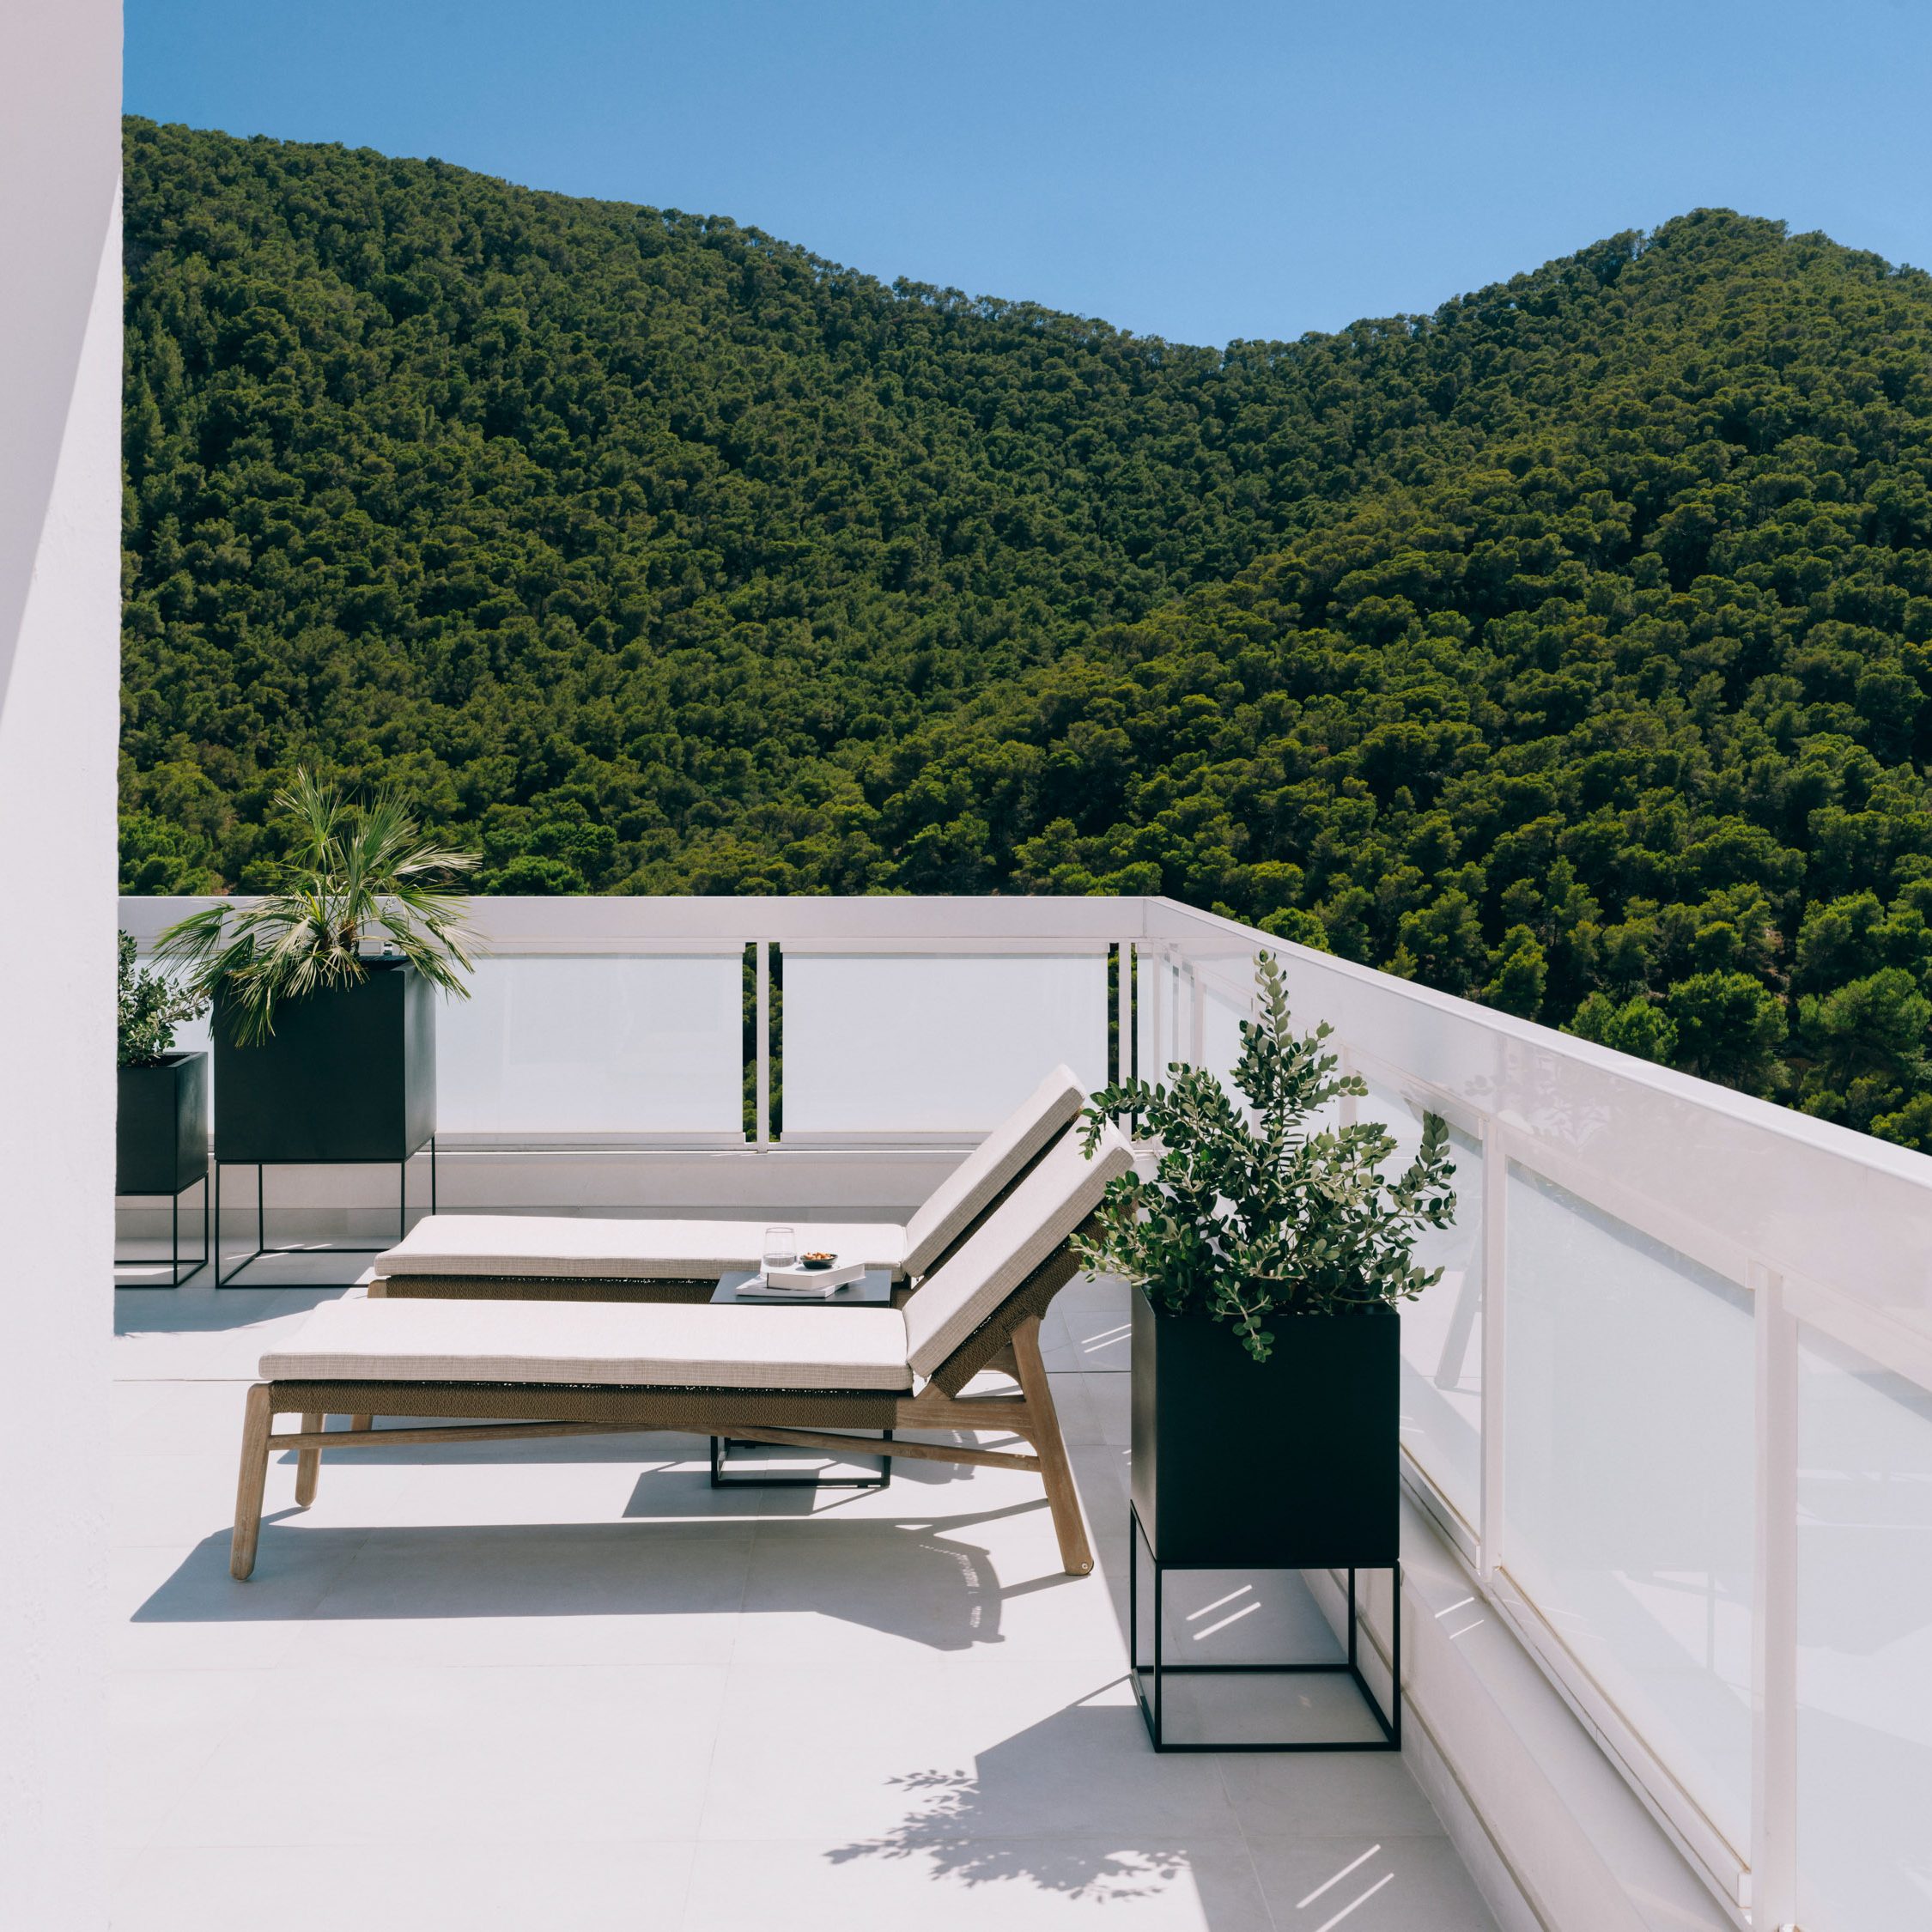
[(148, 1008), (1253, 1213), (361, 873)]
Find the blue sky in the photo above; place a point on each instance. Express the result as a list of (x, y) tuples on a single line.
[(1202, 170)]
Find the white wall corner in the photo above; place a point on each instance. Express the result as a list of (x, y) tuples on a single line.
[(60, 345)]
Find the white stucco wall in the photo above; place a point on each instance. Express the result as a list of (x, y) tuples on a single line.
[(60, 599)]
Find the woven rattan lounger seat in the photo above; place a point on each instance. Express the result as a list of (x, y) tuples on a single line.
[(568, 1257), (788, 1376)]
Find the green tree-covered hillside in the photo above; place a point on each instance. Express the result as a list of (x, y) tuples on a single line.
[(1569, 648)]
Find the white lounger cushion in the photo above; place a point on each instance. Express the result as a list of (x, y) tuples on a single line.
[(571, 1247), (650, 1345), (970, 1188), (1012, 1241)]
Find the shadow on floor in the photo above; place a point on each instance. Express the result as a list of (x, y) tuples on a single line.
[(201, 1308), (995, 1826), (922, 1581)]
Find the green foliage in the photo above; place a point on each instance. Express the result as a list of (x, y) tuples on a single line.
[(1569, 648), (1251, 1213), (149, 1007), (361, 873), (1637, 1027)]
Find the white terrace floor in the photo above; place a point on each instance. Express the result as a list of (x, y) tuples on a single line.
[(549, 1685)]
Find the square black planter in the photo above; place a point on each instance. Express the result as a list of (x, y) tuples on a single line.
[(349, 1074), (347, 1078), (1286, 1464), (160, 1143), (161, 1125)]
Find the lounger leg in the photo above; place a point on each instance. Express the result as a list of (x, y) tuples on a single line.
[(1075, 1558), (308, 1463), (359, 1423), (257, 1422)]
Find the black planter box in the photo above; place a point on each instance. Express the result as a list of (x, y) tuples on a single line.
[(349, 1074), (1286, 1464), (161, 1126)]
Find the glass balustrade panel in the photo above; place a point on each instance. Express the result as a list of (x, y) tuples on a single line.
[(1443, 1328), (913, 1043), (1629, 1492), (1864, 1643), (1220, 1037), (587, 1045)]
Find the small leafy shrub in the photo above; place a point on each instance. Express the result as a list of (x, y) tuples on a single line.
[(1250, 1214), (149, 1006)]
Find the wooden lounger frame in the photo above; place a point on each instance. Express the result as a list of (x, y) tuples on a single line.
[(1009, 1341)]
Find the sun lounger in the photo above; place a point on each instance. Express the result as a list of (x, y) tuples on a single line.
[(802, 1378), (559, 1257)]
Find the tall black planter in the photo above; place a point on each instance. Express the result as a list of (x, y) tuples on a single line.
[(1286, 1464), (160, 1141), (347, 1076)]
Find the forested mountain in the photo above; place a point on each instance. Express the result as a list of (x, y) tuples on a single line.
[(1569, 647)]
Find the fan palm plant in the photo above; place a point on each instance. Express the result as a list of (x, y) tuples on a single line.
[(360, 873)]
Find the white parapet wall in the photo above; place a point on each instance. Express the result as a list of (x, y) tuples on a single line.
[(60, 369)]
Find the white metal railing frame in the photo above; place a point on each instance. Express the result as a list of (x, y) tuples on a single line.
[(1816, 1222), (1813, 1221)]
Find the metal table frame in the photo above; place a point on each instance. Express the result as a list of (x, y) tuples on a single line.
[(721, 1445)]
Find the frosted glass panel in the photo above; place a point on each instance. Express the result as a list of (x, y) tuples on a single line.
[(582, 1045), (1629, 1491), (917, 1044), (1864, 1645), (1158, 990), (1442, 1331), (1221, 1036)]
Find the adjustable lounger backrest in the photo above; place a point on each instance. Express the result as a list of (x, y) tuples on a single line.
[(992, 1167), (997, 1258)]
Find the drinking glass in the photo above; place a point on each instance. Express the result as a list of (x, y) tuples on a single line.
[(782, 1247)]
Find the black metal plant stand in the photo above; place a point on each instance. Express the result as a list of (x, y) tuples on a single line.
[(1389, 1722), (175, 1277), (720, 1452), (263, 1246)]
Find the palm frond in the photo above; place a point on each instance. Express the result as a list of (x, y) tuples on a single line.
[(357, 875)]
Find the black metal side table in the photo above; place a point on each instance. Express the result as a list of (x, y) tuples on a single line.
[(872, 1290)]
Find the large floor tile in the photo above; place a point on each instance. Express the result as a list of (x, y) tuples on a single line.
[(1369, 1882), (954, 1880), (405, 1888), (1298, 1796), (1010, 1748), (415, 1755), (177, 1608), (173, 1417), (162, 1726), (606, 1594), (862, 1593)]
